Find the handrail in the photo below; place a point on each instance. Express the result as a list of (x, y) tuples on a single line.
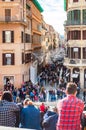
[(13, 128)]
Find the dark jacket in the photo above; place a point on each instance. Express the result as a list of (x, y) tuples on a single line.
[(50, 122), (48, 113), (30, 118)]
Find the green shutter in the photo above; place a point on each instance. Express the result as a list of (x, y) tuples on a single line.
[(65, 5), (72, 17), (84, 16)]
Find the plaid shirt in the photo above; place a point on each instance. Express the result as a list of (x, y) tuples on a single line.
[(7, 113), (70, 109)]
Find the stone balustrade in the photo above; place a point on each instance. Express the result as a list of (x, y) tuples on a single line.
[(12, 128)]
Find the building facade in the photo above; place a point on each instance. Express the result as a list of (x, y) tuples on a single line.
[(18, 38), (36, 24), (75, 28)]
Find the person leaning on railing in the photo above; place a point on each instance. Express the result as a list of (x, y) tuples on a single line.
[(9, 111)]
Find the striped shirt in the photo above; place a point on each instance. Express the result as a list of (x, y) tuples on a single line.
[(70, 109)]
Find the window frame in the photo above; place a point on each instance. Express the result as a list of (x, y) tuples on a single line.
[(75, 0), (4, 36), (4, 59)]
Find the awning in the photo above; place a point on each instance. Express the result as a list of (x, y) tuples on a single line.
[(65, 5), (36, 3), (75, 75)]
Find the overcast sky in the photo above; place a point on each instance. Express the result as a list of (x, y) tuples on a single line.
[(54, 14)]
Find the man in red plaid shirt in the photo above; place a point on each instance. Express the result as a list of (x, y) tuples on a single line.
[(70, 110)]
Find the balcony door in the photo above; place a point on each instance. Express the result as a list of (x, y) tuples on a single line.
[(7, 15)]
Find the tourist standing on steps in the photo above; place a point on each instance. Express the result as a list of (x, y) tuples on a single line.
[(70, 110)]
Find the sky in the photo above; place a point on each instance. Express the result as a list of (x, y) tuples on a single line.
[(54, 14)]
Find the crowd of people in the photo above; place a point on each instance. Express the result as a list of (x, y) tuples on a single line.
[(52, 76), (18, 109), (67, 115)]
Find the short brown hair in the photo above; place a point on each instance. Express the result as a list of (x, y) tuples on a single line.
[(7, 96), (71, 88)]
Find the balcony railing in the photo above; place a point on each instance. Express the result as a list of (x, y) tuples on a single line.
[(84, 61), (12, 19), (67, 23), (75, 61)]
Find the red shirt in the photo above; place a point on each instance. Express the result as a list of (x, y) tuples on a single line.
[(70, 110), (42, 108)]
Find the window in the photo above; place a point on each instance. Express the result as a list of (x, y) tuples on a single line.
[(76, 14), (9, 79), (26, 57), (8, 58), (7, 15), (76, 53), (27, 38), (8, 36), (75, 0), (74, 35), (36, 38), (74, 17)]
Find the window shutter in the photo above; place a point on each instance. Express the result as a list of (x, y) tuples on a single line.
[(22, 57), (79, 36), (79, 53), (83, 53), (25, 38), (84, 34), (3, 36), (22, 37), (3, 59), (72, 53), (68, 52), (12, 36), (12, 59)]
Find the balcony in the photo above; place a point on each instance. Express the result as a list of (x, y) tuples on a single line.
[(68, 23), (71, 23), (10, 1), (74, 62), (12, 19), (84, 61), (84, 22)]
